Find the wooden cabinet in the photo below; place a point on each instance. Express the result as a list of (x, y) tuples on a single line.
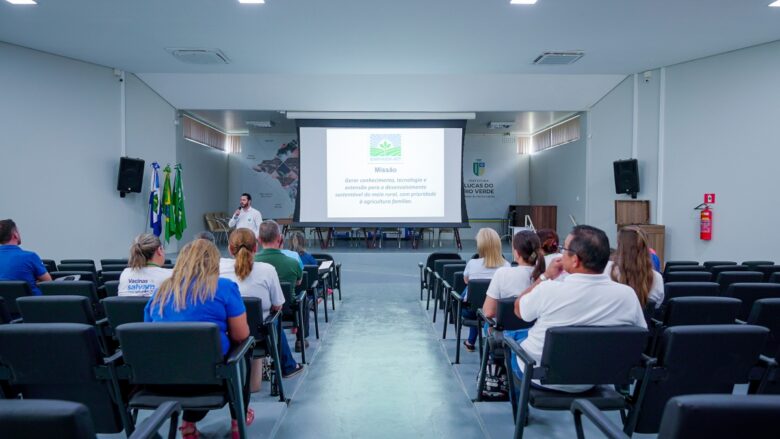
[(637, 213), (543, 217)]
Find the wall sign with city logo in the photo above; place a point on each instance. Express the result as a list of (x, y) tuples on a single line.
[(490, 168)]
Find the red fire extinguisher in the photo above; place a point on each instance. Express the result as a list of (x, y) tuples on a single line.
[(705, 224)]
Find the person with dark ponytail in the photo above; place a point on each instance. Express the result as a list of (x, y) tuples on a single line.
[(511, 281), (550, 244), (257, 279), (144, 272)]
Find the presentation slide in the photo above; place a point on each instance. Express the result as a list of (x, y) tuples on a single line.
[(379, 175)]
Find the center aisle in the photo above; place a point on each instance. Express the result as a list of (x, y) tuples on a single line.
[(381, 372)]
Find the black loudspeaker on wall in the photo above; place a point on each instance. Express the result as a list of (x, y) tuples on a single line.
[(626, 177), (131, 175)]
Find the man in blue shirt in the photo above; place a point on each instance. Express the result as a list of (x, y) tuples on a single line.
[(17, 264)]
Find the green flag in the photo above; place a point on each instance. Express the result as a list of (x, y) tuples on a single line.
[(179, 216), (167, 205)]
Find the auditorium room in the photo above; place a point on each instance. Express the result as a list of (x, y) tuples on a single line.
[(358, 219)]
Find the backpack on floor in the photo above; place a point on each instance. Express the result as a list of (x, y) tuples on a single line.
[(496, 383)]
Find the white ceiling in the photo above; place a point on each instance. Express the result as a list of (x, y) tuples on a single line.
[(453, 38)]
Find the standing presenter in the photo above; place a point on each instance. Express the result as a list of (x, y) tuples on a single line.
[(246, 217)]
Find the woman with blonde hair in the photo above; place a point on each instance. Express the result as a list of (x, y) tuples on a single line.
[(196, 293), (633, 266), (144, 273), (484, 267), (257, 279)]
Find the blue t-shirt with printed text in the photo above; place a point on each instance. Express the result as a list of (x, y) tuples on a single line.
[(227, 303), (18, 264)]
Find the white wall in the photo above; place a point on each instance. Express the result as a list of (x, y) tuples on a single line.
[(60, 125), (557, 177)]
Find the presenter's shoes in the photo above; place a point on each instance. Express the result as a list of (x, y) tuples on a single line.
[(298, 345), (298, 369), (469, 347)]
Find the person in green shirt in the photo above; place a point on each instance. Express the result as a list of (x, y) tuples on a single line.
[(288, 269)]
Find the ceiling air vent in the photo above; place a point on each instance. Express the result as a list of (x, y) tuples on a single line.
[(199, 56), (559, 58)]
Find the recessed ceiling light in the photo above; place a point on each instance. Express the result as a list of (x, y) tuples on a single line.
[(527, 2), (22, 2), (251, 2), (775, 4)]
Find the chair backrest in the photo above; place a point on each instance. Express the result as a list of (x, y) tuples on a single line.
[(506, 319), (459, 284), (774, 278), (124, 309), (726, 278), (682, 311), (39, 418), (78, 261), (766, 269), (438, 266), (753, 264), (676, 268), (58, 361), (435, 256), (766, 313), (690, 289), (721, 416), (700, 359), (56, 309), (5, 315), (748, 293), (10, 290), (77, 267), (449, 270), (171, 353), (71, 288), (113, 267), (287, 292), (324, 256), (313, 274), (50, 265), (718, 269), (121, 261), (670, 264), (112, 288), (592, 355), (710, 264), (83, 275), (108, 276), (688, 276), (477, 292)]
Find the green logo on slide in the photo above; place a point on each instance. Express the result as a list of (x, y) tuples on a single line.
[(385, 147)]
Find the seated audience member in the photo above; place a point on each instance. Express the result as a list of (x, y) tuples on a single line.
[(290, 254), (144, 274), (633, 267), (196, 293), (18, 264), (257, 279), (298, 245), (549, 242), (511, 281), (287, 268), (489, 261), (208, 236), (587, 297)]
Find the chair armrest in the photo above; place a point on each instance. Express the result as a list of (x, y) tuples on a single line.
[(298, 297), (148, 429), (656, 323), (446, 284), (239, 351), (490, 321), (428, 270), (273, 316), (19, 320), (520, 352), (315, 284), (765, 361), (115, 357), (585, 407), (740, 322), (456, 295)]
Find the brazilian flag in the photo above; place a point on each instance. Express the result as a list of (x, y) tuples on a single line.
[(167, 205), (179, 216)]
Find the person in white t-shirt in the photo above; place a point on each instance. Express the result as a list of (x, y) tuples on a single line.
[(587, 297), (144, 274), (633, 266), (246, 217), (511, 281), (257, 279), (490, 259)]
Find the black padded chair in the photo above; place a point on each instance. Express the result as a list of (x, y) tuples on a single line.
[(601, 356), (124, 309), (120, 261), (774, 278), (683, 311), (56, 309), (477, 292), (293, 314), (10, 290), (74, 288), (766, 313), (718, 269), (452, 280), (78, 261), (113, 267), (314, 290), (181, 362), (266, 340), (438, 268), (675, 268), (50, 265), (710, 264), (766, 269), (5, 315), (426, 270), (690, 289), (702, 359), (753, 264), (749, 293), (675, 263), (505, 320), (699, 416), (336, 269), (108, 276), (726, 278), (688, 276), (111, 288), (446, 281), (63, 361), (77, 275), (73, 266)]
